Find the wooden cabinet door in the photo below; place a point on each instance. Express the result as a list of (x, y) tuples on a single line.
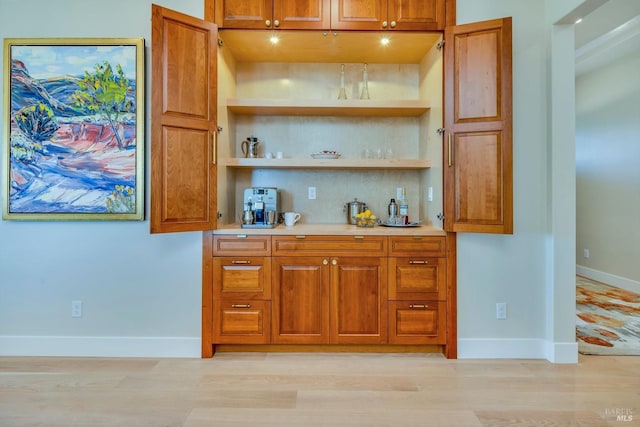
[(254, 14), (301, 14), (300, 300), (263, 14), (183, 122), (358, 300), (478, 177), (416, 15), (358, 14)]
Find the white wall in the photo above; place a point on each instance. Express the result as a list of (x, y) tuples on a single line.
[(131, 283), (137, 285), (608, 172)]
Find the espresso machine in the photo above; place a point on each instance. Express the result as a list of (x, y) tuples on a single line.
[(260, 207)]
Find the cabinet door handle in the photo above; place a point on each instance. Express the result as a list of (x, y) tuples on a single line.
[(214, 142), (276, 23), (418, 306), (450, 151), (240, 305), (334, 262), (384, 24), (325, 262), (241, 261), (267, 23), (418, 261), (393, 24)]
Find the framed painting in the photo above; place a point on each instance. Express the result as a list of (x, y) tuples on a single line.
[(74, 129)]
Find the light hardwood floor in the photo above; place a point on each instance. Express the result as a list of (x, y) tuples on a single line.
[(318, 389)]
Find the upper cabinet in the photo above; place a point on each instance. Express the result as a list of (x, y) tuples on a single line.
[(269, 14), (372, 15), (477, 166), (376, 15), (183, 116)]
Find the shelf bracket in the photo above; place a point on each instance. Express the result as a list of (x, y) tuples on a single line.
[(440, 45), (440, 131)]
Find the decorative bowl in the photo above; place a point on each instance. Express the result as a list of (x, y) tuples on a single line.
[(326, 154)]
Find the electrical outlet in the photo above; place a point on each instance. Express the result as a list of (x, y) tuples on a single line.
[(312, 193), (501, 310), (585, 253), (76, 308)]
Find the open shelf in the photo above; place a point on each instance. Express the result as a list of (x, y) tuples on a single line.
[(327, 107), (300, 163)]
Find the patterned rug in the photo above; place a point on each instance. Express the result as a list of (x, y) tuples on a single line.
[(608, 319)]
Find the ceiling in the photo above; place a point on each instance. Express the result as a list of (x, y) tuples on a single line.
[(606, 34)]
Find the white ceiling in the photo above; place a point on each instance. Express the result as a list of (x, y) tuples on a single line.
[(608, 33)]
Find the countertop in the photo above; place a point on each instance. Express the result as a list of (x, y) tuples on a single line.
[(330, 229)]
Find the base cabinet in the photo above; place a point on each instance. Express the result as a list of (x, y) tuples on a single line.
[(318, 290)]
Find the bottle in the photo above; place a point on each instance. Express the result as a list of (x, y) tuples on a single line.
[(365, 84), (393, 211), (343, 92), (403, 207)]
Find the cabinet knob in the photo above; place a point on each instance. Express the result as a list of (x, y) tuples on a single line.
[(334, 261), (384, 24), (325, 262), (267, 23), (393, 24), (276, 23)]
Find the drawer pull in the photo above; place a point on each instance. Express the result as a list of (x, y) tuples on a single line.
[(301, 236), (240, 305), (417, 237), (416, 261), (241, 236), (358, 237), (241, 261), (418, 306)]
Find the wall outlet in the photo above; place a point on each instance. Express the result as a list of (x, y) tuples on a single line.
[(312, 193), (76, 308), (501, 310), (585, 253)]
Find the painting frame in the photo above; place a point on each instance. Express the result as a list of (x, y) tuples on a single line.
[(74, 137)]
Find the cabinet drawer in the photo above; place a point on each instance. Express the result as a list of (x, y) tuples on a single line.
[(421, 246), (329, 245), (417, 278), (417, 322), (242, 277), (242, 322), (241, 244)]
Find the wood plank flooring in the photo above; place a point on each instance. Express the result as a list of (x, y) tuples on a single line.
[(319, 389)]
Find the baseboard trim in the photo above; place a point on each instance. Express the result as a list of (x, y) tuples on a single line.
[(527, 348), (64, 346), (609, 279)]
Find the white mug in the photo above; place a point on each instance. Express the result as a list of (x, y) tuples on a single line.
[(279, 155), (290, 218)]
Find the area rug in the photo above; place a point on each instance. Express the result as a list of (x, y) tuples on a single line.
[(608, 319)]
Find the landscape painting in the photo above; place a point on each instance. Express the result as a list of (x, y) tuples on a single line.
[(74, 129)]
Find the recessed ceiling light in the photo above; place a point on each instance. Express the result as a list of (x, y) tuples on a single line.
[(579, 20)]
